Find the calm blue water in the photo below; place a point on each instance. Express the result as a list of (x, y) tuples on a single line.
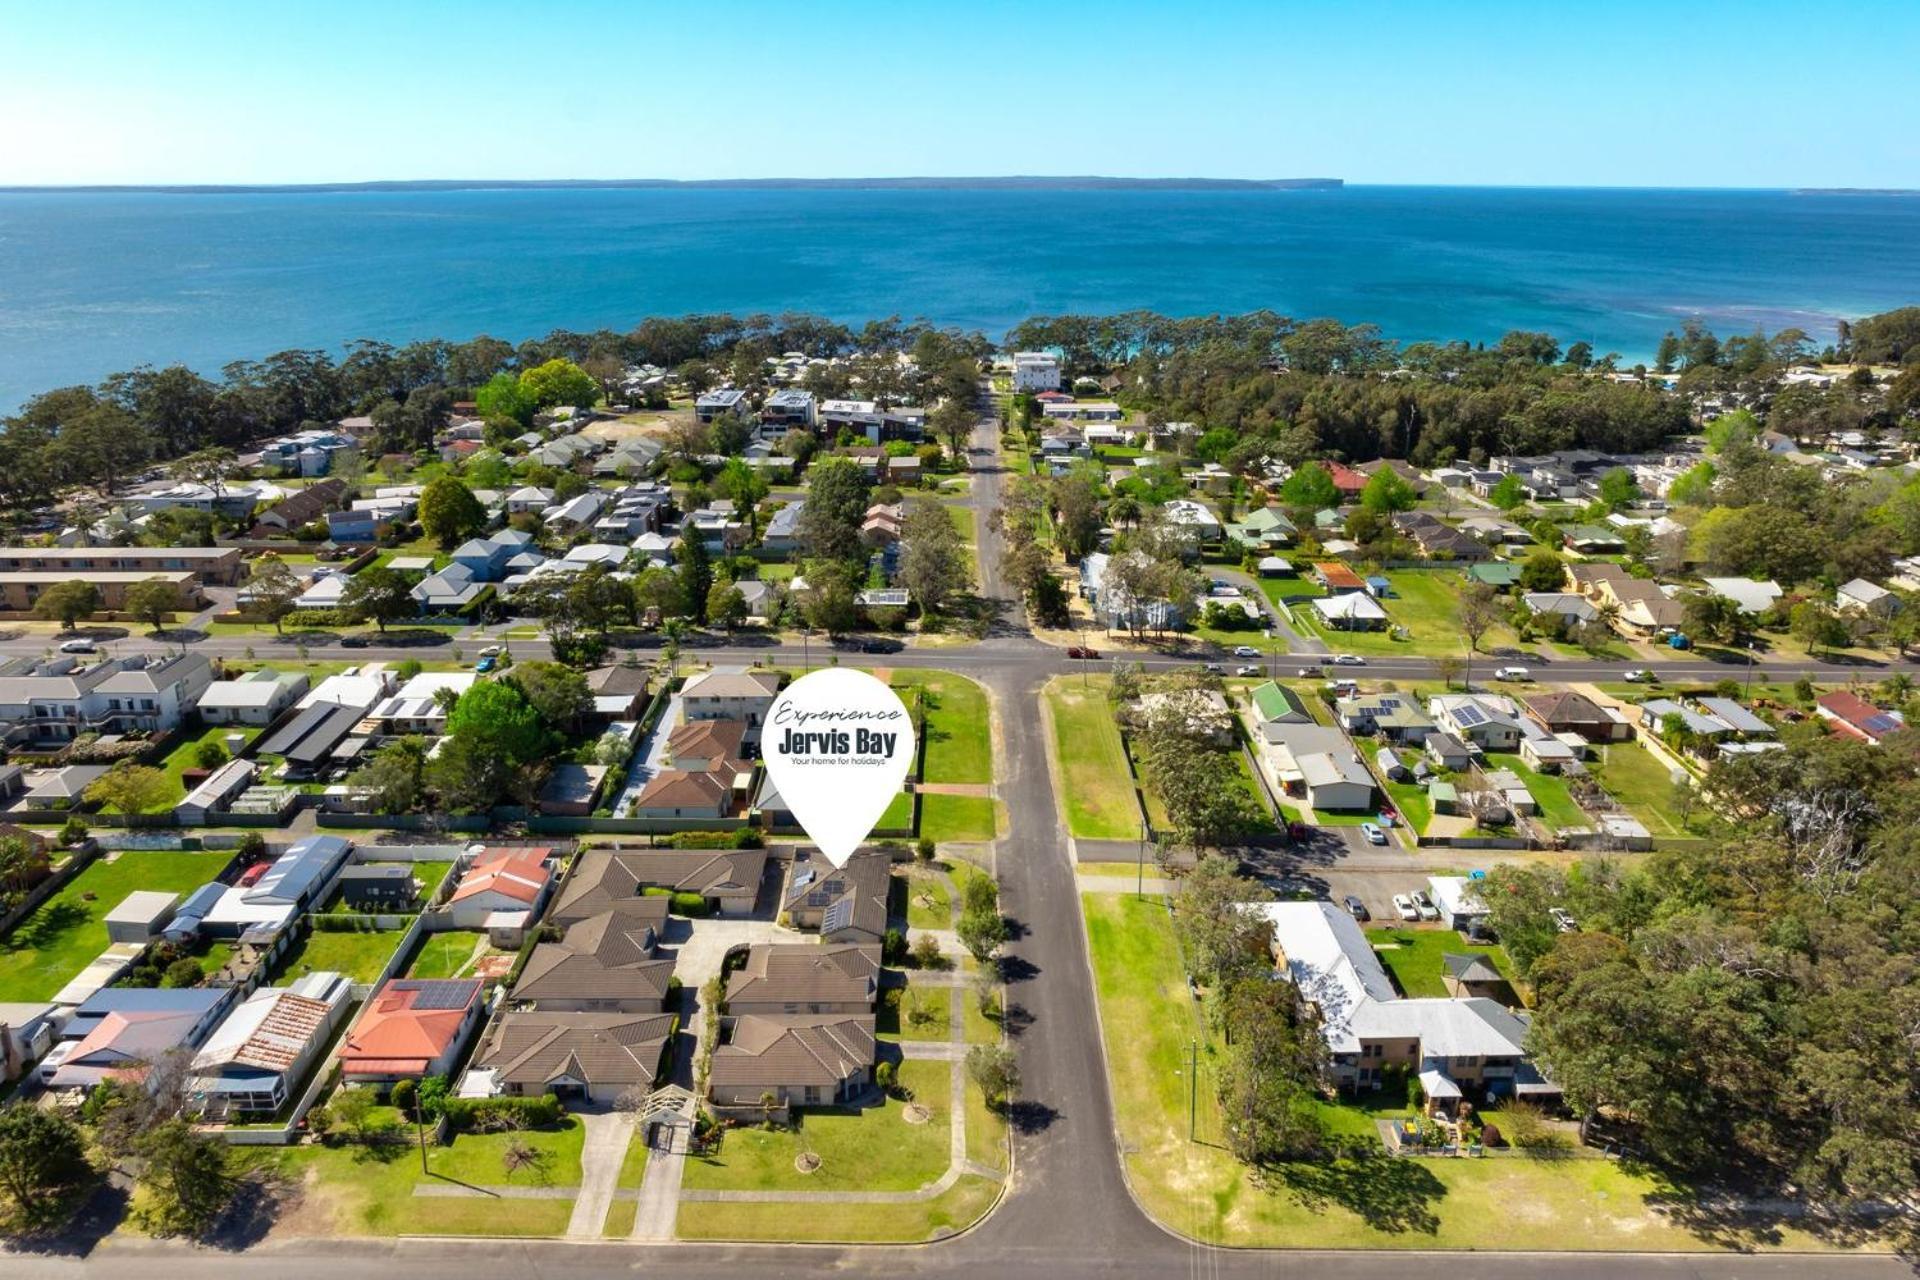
[(92, 283)]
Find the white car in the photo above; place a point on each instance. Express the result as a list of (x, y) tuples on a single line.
[(491, 651), (1245, 651), (1512, 673), (1637, 676), (1349, 660), (79, 646), (1424, 905), (1373, 833), (1404, 908), (1563, 920), (1247, 671)]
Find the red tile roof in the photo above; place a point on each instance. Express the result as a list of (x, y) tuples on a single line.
[(519, 874)]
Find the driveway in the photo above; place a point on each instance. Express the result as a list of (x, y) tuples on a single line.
[(650, 757), (700, 946), (601, 1154)]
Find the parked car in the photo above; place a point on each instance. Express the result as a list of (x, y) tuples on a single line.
[(79, 646), (357, 640), (1245, 651), (1424, 905), (1215, 669), (1356, 908), (1309, 673), (1637, 676), (491, 651), (1082, 651), (1512, 673), (1563, 920), (1373, 833), (1349, 660), (1404, 908), (487, 663), (1248, 670)]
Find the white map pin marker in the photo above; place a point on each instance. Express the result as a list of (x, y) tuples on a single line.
[(838, 744)]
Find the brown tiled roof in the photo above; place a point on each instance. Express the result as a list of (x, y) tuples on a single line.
[(533, 1048), (603, 881), (816, 884), (709, 872), (805, 974), (732, 684), (700, 740), (309, 504), (769, 1052), (684, 789), (1566, 708), (617, 680), (604, 957)]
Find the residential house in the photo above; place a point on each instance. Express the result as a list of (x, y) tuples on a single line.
[(257, 698), (1448, 752), (255, 1059), (300, 508), (1102, 585), (798, 1060), (746, 696), (319, 740), (1642, 609), (1501, 575), (1450, 1045), (1317, 764), (1848, 713), (378, 887), (685, 794), (1396, 717), (782, 536), (1263, 528), (1458, 900), (1349, 482), (1593, 539), (608, 963), (787, 408), (411, 1028), (1354, 611), (1753, 597), (782, 979), (720, 402), (1276, 704), (1195, 519), (205, 566), (1438, 540), (598, 1057), (1860, 596), (571, 790), (297, 881), (421, 705), (508, 881), (842, 904), (619, 692), (1486, 721), (1564, 607), (1035, 371), (1337, 578), (57, 699), (1575, 713), (120, 1032)]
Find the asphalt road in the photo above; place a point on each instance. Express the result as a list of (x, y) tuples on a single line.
[(1067, 1211)]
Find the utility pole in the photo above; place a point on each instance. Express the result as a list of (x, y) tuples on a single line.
[(420, 1126), (1140, 864)]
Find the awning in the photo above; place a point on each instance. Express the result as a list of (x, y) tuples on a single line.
[(1438, 1085)]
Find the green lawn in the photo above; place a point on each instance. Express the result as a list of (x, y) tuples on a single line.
[(1410, 798), (959, 818), (69, 930), (182, 757), (872, 1149), (1557, 808), (1413, 956), (936, 1007), (1424, 601), (986, 1131), (633, 1168), (959, 739), (929, 905), (444, 955), (1638, 779), (960, 1206), (360, 956), (1095, 786), (898, 815), (354, 1190), (1197, 1189)]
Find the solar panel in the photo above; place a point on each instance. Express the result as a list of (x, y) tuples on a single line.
[(1468, 716), (837, 917), (1882, 723), (442, 994)]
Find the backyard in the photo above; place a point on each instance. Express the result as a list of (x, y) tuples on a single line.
[(1549, 791), (359, 954), (1637, 779), (451, 954), (1414, 957), (69, 930)]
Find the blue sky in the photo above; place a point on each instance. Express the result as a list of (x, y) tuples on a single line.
[(1630, 93)]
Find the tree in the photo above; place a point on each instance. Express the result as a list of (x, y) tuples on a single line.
[(660, 590), (1816, 626), (1618, 488), (828, 603), (210, 754), (1274, 1060), (1543, 570), (1219, 939), (982, 933), (497, 717), (449, 513), (378, 593), (744, 485), (933, 562), (1200, 786), (559, 694), (68, 601), (1310, 488), (696, 572), (185, 1175), (1479, 609), (394, 777), (559, 382), (1449, 669), (43, 1159), (952, 424), (726, 605), (1508, 493), (153, 601), (829, 524), (1712, 617), (131, 788), (996, 1071), (272, 589), (1387, 490)]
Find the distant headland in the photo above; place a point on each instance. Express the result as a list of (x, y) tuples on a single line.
[(1008, 183)]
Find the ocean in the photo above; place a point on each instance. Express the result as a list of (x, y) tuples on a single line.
[(94, 282)]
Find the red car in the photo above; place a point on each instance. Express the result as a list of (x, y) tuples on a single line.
[(1081, 651)]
